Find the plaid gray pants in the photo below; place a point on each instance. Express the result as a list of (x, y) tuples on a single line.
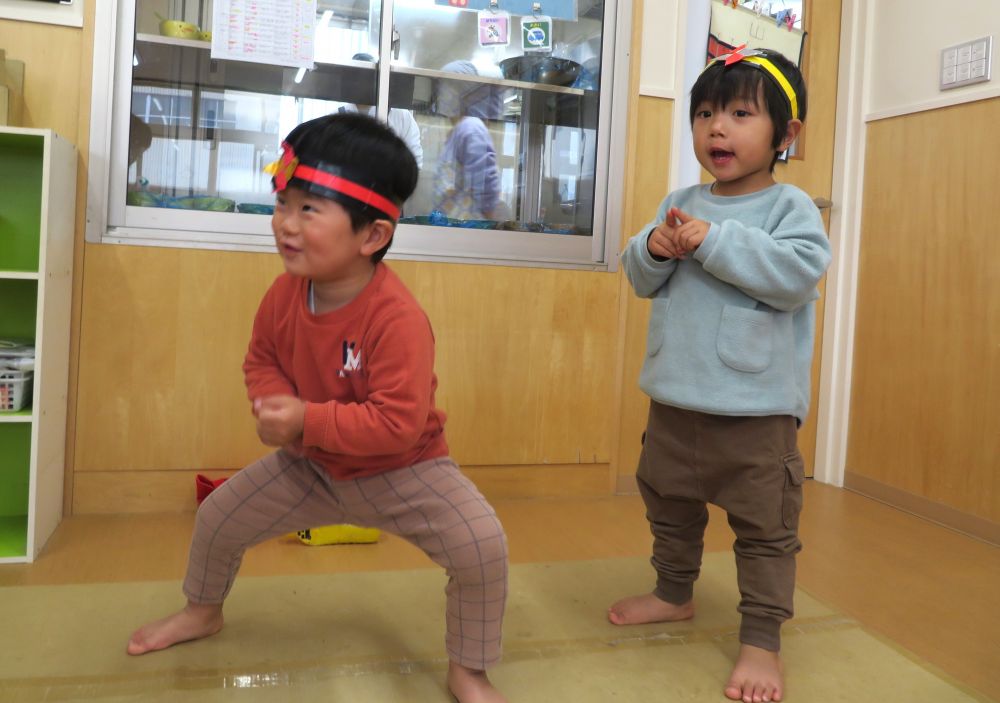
[(430, 504)]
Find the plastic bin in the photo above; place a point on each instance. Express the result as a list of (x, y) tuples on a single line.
[(15, 390)]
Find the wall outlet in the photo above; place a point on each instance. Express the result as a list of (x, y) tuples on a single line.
[(966, 63)]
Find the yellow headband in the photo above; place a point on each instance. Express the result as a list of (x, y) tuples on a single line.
[(767, 65), (778, 76)]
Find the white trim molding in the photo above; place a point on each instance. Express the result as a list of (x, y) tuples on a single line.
[(845, 238), (949, 100)]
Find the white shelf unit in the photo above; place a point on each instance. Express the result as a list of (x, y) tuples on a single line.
[(37, 216)]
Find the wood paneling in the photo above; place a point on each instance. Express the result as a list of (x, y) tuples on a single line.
[(51, 56), (163, 335), (929, 510), (925, 403), (524, 359)]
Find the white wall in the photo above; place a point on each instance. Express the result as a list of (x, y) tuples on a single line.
[(905, 42), (657, 64)]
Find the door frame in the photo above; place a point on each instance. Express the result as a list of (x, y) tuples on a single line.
[(836, 366)]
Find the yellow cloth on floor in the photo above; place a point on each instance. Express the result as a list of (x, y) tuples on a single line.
[(338, 534)]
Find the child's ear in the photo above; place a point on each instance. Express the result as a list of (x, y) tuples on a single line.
[(791, 134), (378, 235)]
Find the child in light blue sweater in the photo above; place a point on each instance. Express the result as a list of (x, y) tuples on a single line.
[(732, 268)]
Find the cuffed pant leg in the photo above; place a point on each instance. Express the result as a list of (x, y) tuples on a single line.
[(763, 501), (766, 576), (669, 482), (678, 528), (437, 508)]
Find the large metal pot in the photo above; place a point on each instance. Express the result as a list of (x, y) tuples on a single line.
[(540, 69)]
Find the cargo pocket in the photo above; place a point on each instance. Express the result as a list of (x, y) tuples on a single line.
[(791, 500), (745, 339), (657, 326)]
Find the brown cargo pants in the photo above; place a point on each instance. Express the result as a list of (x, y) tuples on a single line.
[(751, 468)]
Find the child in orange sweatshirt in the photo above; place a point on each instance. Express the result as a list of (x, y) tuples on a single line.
[(340, 373)]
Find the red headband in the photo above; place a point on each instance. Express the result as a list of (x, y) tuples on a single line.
[(289, 167)]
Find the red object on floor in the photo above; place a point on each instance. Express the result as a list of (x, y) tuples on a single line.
[(205, 485)]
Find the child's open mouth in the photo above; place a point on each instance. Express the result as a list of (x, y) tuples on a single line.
[(720, 156)]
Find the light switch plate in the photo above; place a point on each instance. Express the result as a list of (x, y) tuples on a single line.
[(966, 63)]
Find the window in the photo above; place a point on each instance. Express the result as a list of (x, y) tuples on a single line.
[(188, 134)]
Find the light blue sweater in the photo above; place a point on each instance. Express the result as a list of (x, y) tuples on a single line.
[(732, 325)]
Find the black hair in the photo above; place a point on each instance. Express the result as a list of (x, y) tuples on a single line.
[(368, 152), (720, 84)]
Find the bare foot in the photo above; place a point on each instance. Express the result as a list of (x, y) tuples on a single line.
[(190, 623), (471, 686), (757, 676), (636, 610)]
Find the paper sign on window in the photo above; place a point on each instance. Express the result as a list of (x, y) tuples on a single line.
[(278, 32), (494, 28), (536, 33)]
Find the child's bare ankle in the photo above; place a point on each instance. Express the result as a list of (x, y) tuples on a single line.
[(471, 685), (204, 611), (648, 607)]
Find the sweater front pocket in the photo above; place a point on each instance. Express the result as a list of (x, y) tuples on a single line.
[(746, 339), (657, 326)]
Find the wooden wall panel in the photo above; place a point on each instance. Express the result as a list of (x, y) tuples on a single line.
[(51, 56), (525, 359), (925, 407), (163, 335)]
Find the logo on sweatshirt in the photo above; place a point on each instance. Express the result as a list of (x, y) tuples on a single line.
[(352, 363)]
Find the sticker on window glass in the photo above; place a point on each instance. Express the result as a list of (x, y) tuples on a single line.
[(494, 28), (536, 33)]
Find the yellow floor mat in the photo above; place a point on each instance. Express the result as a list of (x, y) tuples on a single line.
[(378, 636)]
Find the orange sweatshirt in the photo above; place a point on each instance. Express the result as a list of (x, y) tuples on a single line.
[(366, 372)]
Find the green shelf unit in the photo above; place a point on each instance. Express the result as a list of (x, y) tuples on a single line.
[(20, 200), (37, 222), (18, 307), (15, 462), (13, 536)]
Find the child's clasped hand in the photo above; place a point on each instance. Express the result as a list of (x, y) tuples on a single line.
[(280, 419), (679, 234)]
